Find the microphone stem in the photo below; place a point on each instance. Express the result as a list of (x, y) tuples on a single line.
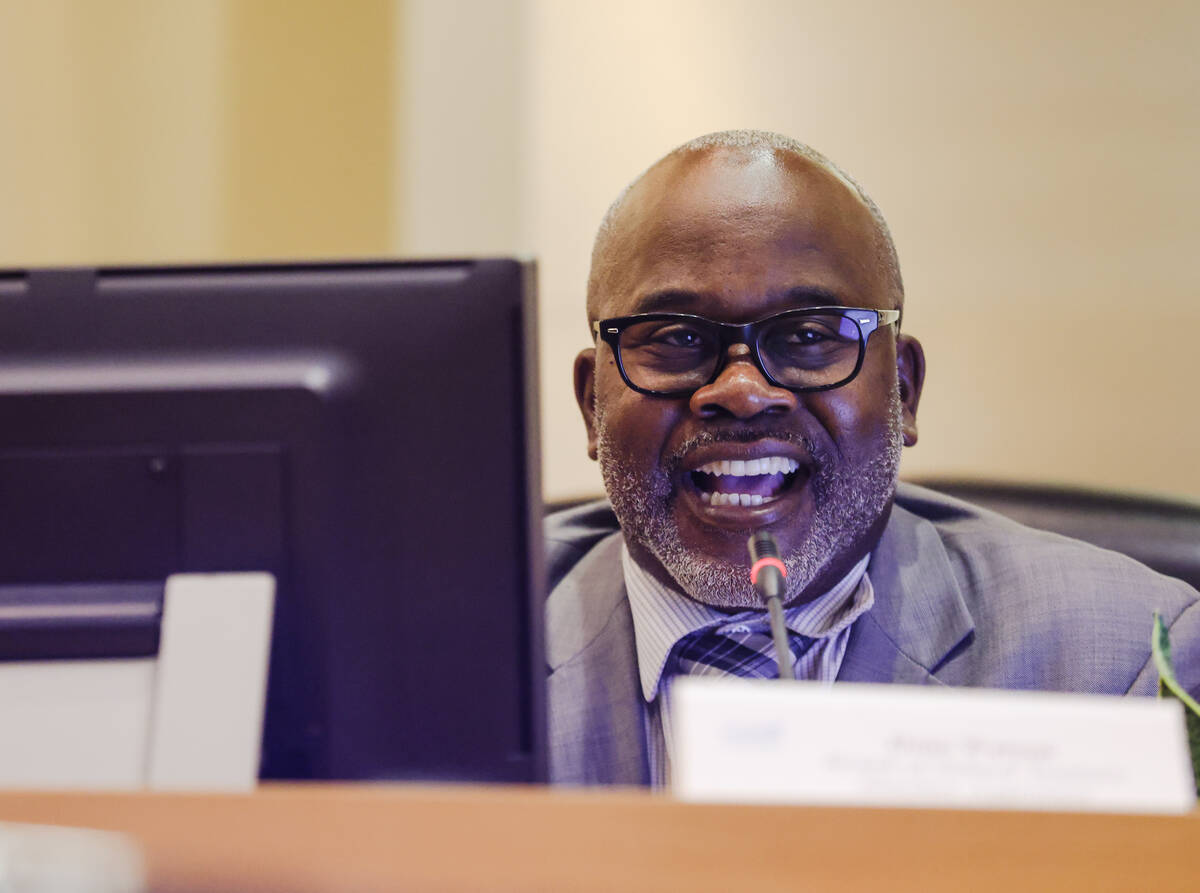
[(783, 651)]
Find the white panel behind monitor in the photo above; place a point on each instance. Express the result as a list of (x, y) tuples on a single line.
[(192, 718), (74, 723), (212, 681)]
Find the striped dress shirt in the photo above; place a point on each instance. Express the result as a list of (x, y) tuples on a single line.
[(662, 617)]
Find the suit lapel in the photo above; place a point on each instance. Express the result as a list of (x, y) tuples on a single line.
[(596, 714), (919, 618)]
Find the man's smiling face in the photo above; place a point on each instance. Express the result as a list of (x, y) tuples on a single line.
[(735, 235)]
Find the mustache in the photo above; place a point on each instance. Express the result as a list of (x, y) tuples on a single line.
[(743, 435)]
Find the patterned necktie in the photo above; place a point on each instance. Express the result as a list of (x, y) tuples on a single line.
[(744, 650)]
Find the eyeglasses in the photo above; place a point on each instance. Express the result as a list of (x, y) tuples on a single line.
[(673, 354)]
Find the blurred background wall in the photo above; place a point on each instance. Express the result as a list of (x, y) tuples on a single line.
[(1036, 161), (160, 130)]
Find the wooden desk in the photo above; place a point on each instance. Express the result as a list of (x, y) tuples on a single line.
[(387, 838)]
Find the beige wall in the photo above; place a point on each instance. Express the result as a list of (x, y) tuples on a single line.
[(1037, 166), (309, 99), (148, 130), (113, 132), (460, 122)]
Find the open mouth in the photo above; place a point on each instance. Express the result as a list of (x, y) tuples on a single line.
[(748, 482)]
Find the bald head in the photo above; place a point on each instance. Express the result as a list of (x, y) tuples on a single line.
[(738, 151)]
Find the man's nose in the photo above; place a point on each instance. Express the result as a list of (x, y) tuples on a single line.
[(741, 390)]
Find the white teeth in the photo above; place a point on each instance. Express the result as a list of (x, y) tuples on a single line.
[(744, 468), (750, 467), (733, 498)]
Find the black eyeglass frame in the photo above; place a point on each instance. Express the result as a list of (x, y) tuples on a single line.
[(867, 319)]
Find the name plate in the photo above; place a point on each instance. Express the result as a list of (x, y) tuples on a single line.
[(751, 741)]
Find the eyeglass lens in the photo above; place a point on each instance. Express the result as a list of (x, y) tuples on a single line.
[(808, 351)]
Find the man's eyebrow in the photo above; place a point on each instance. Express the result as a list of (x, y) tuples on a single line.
[(814, 296), (678, 300), (684, 301)]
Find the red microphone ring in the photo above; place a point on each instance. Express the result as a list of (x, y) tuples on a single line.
[(762, 562)]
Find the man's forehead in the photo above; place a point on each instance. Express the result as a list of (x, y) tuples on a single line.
[(733, 205)]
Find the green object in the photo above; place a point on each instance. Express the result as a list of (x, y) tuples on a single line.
[(1169, 687)]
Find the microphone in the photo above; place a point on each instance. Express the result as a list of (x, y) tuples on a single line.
[(767, 572), (766, 568)]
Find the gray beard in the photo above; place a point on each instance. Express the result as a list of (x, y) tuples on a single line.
[(848, 500)]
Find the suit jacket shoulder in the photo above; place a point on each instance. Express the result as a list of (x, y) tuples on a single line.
[(1033, 609), (595, 711)]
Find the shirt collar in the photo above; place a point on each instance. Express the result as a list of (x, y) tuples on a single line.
[(663, 616)]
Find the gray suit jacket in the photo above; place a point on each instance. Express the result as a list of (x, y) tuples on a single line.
[(962, 597)]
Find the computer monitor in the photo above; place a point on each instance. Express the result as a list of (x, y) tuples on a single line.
[(364, 431)]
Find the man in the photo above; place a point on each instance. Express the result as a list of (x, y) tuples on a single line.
[(749, 372)]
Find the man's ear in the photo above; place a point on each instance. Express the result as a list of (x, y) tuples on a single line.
[(585, 393), (910, 369)]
